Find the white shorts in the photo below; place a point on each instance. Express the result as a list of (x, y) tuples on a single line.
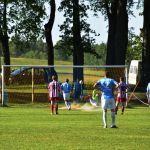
[(66, 96), (108, 103)]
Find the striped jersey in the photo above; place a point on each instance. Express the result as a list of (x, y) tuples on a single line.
[(54, 89), (122, 90)]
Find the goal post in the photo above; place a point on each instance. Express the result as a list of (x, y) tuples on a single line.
[(28, 83)]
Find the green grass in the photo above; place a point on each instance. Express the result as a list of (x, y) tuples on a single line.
[(32, 127), (30, 61)]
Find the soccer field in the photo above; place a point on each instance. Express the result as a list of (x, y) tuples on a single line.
[(31, 127)]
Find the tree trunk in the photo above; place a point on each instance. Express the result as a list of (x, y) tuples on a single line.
[(118, 32), (146, 44), (78, 53), (48, 33), (110, 60), (121, 36), (4, 37), (49, 41)]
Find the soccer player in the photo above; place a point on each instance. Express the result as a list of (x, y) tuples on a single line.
[(107, 85), (94, 99), (66, 89), (121, 96), (148, 93), (78, 90), (54, 90)]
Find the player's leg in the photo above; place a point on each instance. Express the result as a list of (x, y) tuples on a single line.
[(65, 100), (104, 107), (105, 117), (68, 101), (112, 107), (123, 106), (113, 118), (56, 105), (64, 97), (117, 104), (52, 106), (69, 105), (149, 101)]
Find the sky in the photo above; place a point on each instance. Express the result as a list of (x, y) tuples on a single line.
[(97, 23)]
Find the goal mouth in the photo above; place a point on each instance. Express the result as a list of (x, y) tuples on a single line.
[(28, 83)]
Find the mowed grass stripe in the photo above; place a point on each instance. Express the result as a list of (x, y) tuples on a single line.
[(32, 127)]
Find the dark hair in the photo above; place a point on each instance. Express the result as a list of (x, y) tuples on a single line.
[(107, 74), (67, 80), (122, 78)]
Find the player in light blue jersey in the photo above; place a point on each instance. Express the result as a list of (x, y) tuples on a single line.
[(107, 85), (148, 93), (66, 89)]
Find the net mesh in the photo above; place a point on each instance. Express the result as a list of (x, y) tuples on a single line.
[(26, 84)]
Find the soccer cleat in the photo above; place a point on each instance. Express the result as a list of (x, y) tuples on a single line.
[(113, 126), (122, 113), (56, 113), (105, 126), (115, 113)]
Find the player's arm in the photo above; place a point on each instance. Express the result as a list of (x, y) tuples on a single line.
[(95, 86)]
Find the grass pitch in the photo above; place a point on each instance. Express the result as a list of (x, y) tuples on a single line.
[(31, 127)]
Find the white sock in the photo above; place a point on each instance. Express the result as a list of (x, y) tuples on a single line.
[(105, 118), (69, 104), (66, 103), (113, 118)]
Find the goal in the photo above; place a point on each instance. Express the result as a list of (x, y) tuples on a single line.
[(28, 84)]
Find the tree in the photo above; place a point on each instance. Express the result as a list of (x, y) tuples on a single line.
[(62, 50), (75, 13), (22, 18), (78, 53), (48, 33), (146, 44), (134, 51), (3, 32), (92, 59), (116, 13)]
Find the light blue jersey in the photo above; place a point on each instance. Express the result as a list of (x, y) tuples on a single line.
[(148, 90), (66, 87), (106, 86)]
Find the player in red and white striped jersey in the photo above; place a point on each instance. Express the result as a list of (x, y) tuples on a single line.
[(54, 90)]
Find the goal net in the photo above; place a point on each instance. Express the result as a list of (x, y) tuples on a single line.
[(28, 84)]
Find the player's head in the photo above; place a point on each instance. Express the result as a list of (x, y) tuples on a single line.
[(121, 78), (107, 74), (67, 80), (54, 77)]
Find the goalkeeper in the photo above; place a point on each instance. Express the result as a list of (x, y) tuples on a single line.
[(95, 98)]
